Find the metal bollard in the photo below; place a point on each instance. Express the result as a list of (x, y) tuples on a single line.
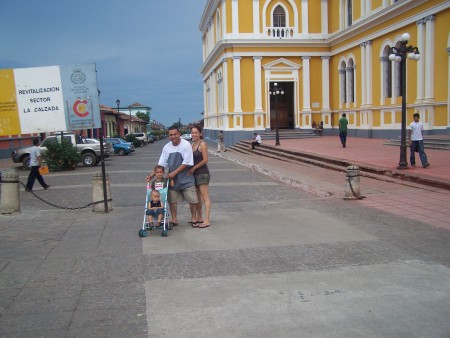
[(10, 197), (97, 192), (352, 188)]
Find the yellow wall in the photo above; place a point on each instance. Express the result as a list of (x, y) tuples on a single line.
[(315, 15), (229, 16), (246, 20), (441, 35), (247, 85), (315, 70), (356, 5), (333, 16), (376, 4)]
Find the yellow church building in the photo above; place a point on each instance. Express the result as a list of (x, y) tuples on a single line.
[(326, 57)]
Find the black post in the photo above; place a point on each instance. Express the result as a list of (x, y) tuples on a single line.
[(403, 163), (102, 155)]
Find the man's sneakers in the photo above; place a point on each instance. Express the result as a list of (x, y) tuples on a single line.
[(28, 189), (48, 186), (426, 165)]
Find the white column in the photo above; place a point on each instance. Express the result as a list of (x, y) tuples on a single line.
[(363, 73), (306, 84), (224, 18), (363, 8), (258, 89), (325, 83), (324, 16), (256, 29), (348, 85), (304, 17), (237, 83), (234, 17), (420, 74), (368, 69), (225, 84), (429, 58)]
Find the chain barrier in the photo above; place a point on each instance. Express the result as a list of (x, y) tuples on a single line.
[(59, 206)]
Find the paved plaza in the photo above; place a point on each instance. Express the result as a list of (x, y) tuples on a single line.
[(279, 260)]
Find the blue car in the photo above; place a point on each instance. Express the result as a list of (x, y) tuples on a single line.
[(120, 146)]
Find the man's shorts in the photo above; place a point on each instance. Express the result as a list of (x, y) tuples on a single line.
[(202, 179), (189, 195)]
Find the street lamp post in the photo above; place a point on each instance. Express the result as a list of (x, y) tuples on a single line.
[(400, 54), (118, 111), (275, 91), (131, 130)]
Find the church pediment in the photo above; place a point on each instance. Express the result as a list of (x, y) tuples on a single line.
[(281, 64)]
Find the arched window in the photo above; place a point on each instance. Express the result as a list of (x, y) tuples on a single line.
[(350, 81), (279, 17), (349, 13), (343, 83), (386, 69), (397, 75)]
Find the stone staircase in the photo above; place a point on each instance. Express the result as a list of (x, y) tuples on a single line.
[(327, 162), (441, 142), (288, 134)]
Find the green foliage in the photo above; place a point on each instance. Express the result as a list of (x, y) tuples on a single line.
[(132, 138), (61, 156), (143, 116)]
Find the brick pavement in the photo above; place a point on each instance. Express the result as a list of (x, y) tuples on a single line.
[(407, 199)]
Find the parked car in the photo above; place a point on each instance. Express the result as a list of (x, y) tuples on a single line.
[(151, 138), (107, 147), (187, 137), (141, 137), (120, 146), (90, 153)]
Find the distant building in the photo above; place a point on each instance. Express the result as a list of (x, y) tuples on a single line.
[(329, 57)]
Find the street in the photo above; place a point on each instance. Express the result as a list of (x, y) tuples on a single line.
[(276, 262)]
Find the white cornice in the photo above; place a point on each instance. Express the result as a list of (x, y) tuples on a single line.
[(316, 40)]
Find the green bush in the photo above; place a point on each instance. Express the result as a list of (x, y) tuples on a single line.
[(132, 138), (61, 156)]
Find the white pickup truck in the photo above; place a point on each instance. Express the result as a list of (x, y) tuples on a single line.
[(90, 152)]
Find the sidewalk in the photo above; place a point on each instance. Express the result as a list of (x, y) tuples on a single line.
[(404, 198)]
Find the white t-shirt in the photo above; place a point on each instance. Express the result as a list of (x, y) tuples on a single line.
[(34, 154), (174, 156), (258, 138), (416, 131)]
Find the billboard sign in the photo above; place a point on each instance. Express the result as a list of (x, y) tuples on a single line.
[(46, 99)]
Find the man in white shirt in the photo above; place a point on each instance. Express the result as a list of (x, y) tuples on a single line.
[(35, 164), (416, 142), (256, 141)]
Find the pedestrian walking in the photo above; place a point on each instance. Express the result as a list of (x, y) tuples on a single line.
[(35, 163), (177, 156), (220, 142), (343, 122), (201, 173), (256, 141), (416, 142)]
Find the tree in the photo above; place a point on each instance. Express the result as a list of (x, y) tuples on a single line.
[(143, 116)]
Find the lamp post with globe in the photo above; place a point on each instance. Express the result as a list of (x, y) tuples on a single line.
[(276, 91), (400, 54)]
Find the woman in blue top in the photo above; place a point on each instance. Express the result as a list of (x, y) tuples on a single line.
[(201, 173)]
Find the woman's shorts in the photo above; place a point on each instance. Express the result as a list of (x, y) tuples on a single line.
[(202, 179), (189, 195)]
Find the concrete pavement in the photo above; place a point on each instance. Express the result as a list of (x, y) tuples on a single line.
[(277, 261)]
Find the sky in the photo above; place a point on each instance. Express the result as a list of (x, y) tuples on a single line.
[(145, 51)]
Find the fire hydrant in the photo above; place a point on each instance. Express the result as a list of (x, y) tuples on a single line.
[(352, 188)]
